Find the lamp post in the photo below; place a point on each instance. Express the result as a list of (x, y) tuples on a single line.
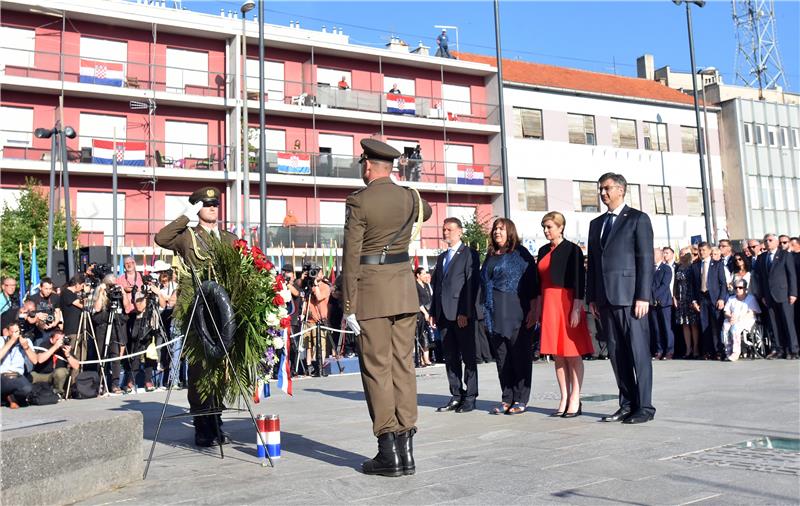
[(262, 141), (660, 122), (44, 133), (703, 182), (708, 71), (501, 106), (245, 8)]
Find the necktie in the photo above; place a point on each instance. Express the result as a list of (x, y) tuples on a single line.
[(607, 225), (447, 260), (703, 276), (769, 260)]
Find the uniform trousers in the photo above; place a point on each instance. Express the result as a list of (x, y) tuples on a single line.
[(387, 372)]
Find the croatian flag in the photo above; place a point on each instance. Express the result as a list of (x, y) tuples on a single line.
[(469, 174), (127, 153), (294, 163), (285, 367), (400, 104), (101, 72)]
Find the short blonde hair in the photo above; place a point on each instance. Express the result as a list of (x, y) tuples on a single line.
[(556, 218)]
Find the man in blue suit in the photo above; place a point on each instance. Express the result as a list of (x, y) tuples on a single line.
[(661, 309), (709, 294), (776, 287), (619, 284)]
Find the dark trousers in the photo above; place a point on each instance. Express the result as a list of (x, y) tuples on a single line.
[(781, 319), (661, 329), (483, 352), (204, 426), (629, 351), (514, 362), (710, 326), (459, 348), (18, 386)]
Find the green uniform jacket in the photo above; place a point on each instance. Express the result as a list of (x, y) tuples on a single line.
[(373, 216), (176, 237)]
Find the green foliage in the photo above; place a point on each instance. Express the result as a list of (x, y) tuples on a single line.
[(476, 232), (21, 223)]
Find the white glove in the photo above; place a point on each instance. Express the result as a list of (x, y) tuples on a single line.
[(352, 323), (191, 213)]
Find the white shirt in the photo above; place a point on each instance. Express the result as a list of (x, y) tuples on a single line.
[(14, 361), (616, 212), (740, 308)]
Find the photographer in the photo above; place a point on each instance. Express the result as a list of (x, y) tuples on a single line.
[(316, 308), (140, 334), (8, 302), (71, 304), (167, 298), (14, 387), (29, 321), (108, 304), (47, 302), (131, 282), (53, 365)]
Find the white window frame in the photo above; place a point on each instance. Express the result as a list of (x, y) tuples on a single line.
[(748, 133), (579, 188), (94, 211), (273, 78), (9, 197), (456, 99), (276, 211), (616, 137), (588, 138), (455, 155), (92, 48), (101, 126), (331, 76), (772, 135), (19, 124), (406, 86), (633, 195), (519, 123), (463, 213), (759, 134), (186, 68), (524, 196), (692, 193), (653, 142), (667, 209), (181, 139), (17, 47)]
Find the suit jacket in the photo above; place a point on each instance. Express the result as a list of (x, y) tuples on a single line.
[(661, 282), (566, 267), (622, 272), (716, 284), (778, 281), (176, 237), (373, 216), (455, 292)]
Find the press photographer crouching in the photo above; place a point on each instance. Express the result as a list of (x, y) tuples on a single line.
[(111, 326), (14, 387), (317, 291), (53, 366)]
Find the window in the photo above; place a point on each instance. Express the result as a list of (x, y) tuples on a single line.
[(93, 211), (748, 136), (455, 155), (661, 198), (19, 124), (581, 129), (463, 213), (689, 139), (766, 193), (655, 136), (276, 211), (772, 135), (528, 123), (784, 137), (587, 200), (623, 133), (101, 126), (185, 140), (275, 141), (17, 46), (632, 196), (755, 196), (273, 79), (694, 198), (456, 99), (331, 213), (791, 196), (186, 68), (532, 194), (337, 144), (759, 134), (795, 137), (406, 86)]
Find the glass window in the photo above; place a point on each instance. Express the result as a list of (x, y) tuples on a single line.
[(93, 211), (581, 129), (101, 126), (755, 192), (186, 68), (778, 186), (532, 194), (694, 197), (661, 198), (784, 137), (623, 133), (748, 135), (528, 123), (17, 46), (795, 137), (18, 127), (587, 200), (766, 193), (791, 195), (689, 139), (183, 139), (759, 134), (273, 80), (633, 196), (655, 136), (772, 136), (455, 99)]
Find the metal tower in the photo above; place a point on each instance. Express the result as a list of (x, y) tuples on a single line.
[(758, 62)]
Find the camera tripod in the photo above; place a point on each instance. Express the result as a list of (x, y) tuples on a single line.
[(214, 411), (318, 338), (86, 333)]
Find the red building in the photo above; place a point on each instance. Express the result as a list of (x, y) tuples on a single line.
[(169, 84)]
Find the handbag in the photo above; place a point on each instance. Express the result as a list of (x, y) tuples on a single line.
[(152, 352)]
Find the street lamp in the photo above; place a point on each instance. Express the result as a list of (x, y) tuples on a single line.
[(708, 71), (244, 9), (262, 141), (501, 108), (58, 136), (703, 182)]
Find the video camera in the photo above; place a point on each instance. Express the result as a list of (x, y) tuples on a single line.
[(313, 272)]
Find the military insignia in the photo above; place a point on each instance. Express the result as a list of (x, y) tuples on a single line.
[(209, 193)]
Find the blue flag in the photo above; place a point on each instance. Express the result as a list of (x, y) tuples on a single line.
[(22, 289), (34, 271)]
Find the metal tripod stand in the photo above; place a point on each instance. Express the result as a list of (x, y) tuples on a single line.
[(86, 333)]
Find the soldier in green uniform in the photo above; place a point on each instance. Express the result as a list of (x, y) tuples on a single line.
[(194, 245), (380, 303)]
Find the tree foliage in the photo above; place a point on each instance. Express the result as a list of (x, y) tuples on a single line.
[(22, 222), (476, 232)]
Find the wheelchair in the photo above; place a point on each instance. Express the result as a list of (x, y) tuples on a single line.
[(756, 341)]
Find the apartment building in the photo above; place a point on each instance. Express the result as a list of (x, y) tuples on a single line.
[(171, 88)]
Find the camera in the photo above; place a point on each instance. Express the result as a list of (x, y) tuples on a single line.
[(313, 272), (147, 279), (66, 341)]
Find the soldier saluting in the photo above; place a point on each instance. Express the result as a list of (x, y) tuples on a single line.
[(194, 245), (380, 303)]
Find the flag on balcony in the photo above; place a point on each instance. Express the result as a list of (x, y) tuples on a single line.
[(400, 104), (469, 174), (294, 163), (127, 153), (101, 72)]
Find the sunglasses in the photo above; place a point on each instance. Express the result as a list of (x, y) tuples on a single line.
[(740, 288), (784, 242), (211, 203)]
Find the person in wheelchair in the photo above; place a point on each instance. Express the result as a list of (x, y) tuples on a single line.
[(740, 316)]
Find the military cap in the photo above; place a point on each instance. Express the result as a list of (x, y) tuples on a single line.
[(207, 194), (377, 150)]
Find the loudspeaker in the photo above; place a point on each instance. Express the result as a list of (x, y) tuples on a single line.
[(93, 254), (59, 264)]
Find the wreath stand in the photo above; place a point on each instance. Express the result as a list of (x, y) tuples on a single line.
[(214, 410)]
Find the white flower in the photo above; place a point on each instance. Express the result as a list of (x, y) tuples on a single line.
[(273, 320), (286, 294), (282, 312), (277, 343)]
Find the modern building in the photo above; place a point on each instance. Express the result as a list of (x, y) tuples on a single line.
[(566, 127), (167, 86)]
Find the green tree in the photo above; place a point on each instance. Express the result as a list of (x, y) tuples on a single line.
[(476, 232), (23, 222)]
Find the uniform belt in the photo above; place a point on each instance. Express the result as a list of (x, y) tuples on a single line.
[(387, 259)]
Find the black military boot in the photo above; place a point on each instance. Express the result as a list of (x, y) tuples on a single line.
[(387, 461), (406, 450)]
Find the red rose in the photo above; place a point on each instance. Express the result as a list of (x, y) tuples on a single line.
[(256, 252), (278, 285), (286, 322), (240, 245), (268, 265), (278, 300)]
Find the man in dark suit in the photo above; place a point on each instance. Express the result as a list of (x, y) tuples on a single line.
[(709, 294), (661, 309), (776, 288), (795, 243), (619, 283), (455, 287)]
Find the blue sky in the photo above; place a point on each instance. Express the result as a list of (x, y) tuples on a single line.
[(592, 35)]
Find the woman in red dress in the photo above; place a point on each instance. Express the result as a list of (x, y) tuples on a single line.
[(565, 334)]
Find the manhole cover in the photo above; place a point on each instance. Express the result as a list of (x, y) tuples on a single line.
[(765, 454)]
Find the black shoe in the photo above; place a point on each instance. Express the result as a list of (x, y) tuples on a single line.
[(202, 441), (638, 417), (405, 448), (387, 461), (772, 355), (450, 406), (567, 414), (618, 416), (466, 407)]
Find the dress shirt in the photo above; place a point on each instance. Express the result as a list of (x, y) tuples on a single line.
[(615, 212), (704, 275)]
